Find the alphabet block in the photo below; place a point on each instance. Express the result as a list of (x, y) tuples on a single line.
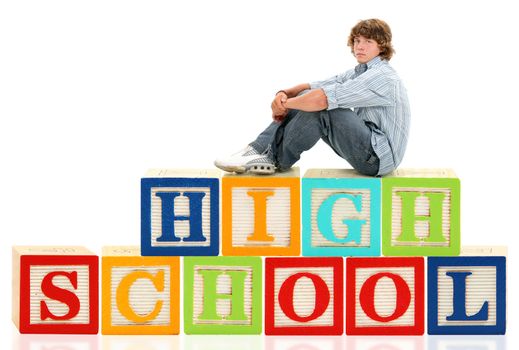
[(341, 213), (55, 290), (140, 295), (467, 294), (304, 296), (222, 295), (260, 215), (180, 212), (421, 213), (385, 296)]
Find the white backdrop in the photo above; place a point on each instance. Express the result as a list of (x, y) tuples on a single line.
[(93, 93)]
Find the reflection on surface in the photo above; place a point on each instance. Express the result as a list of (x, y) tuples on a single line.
[(140, 342), (384, 343), (55, 342), (465, 342), (303, 343), (247, 342), (223, 342)]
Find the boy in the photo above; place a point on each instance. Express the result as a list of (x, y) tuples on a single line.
[(363, 114)]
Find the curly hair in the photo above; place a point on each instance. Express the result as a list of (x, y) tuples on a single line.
[(377, 30)]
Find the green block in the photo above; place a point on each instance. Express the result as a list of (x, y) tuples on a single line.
[(222, 295), (421, 213)]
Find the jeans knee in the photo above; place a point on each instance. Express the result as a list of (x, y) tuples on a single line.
[(308, 115), (305, 120)]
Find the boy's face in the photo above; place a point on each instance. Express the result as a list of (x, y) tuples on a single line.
[(365, 49)]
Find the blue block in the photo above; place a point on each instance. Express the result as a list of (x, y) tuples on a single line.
[(467, 295), (340, 214), (180, 215)]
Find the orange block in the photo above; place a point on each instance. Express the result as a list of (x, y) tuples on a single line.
[(261, 214), (140, 295)]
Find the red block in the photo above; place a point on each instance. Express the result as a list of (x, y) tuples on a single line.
[(304, 296), (385, 296), (55, 290)]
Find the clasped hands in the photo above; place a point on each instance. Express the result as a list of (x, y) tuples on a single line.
[(279, 109)]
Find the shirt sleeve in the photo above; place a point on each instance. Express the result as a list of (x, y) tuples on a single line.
[(340, 78), (370, 89)]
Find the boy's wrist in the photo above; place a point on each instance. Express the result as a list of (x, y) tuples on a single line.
[(289, 104)]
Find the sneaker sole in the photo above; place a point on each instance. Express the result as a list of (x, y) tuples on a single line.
[(258, 169), (261, 169), (232, 169)]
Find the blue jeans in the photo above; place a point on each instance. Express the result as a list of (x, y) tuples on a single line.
[(347, 134)]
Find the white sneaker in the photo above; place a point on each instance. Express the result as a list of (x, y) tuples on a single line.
[(247, 160)]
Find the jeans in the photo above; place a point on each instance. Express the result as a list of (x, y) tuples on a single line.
[(347, 134)]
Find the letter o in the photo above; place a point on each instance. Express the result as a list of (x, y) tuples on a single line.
[(367, 297)]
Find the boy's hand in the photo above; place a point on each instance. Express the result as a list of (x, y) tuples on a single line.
[(278, 108), (279, 118)]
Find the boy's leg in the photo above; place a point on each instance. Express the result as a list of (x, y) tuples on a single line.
[(347, 134), (299, 132), (342, 129), (350, 137), (258, 156), (265, 141)]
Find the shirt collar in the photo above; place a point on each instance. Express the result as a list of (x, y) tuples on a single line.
[(361, 68), (374, 61)]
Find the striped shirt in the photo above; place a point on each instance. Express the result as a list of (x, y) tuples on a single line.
[(376, 93)]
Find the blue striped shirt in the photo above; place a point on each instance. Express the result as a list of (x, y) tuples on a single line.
[(376, 93)]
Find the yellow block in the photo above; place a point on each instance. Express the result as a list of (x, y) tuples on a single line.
[(261, 214), (140, 295)]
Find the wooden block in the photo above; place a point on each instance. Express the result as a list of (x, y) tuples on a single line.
[(385, 296), (140, 295), (180, 212), (55, 290), (304, 296), (467, 294), (421, 213), (260, 214), (222, 295), (341, 213)]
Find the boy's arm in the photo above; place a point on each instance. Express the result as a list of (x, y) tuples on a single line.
[(294, 91), (312, 101), (279, 110), (370, 89), (315, 99)]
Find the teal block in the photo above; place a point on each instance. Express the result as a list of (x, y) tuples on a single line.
[(341, 213)]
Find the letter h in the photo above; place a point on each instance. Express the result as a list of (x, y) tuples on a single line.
[(179, 216)]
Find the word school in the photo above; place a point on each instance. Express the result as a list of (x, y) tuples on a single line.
[(411, 214)]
